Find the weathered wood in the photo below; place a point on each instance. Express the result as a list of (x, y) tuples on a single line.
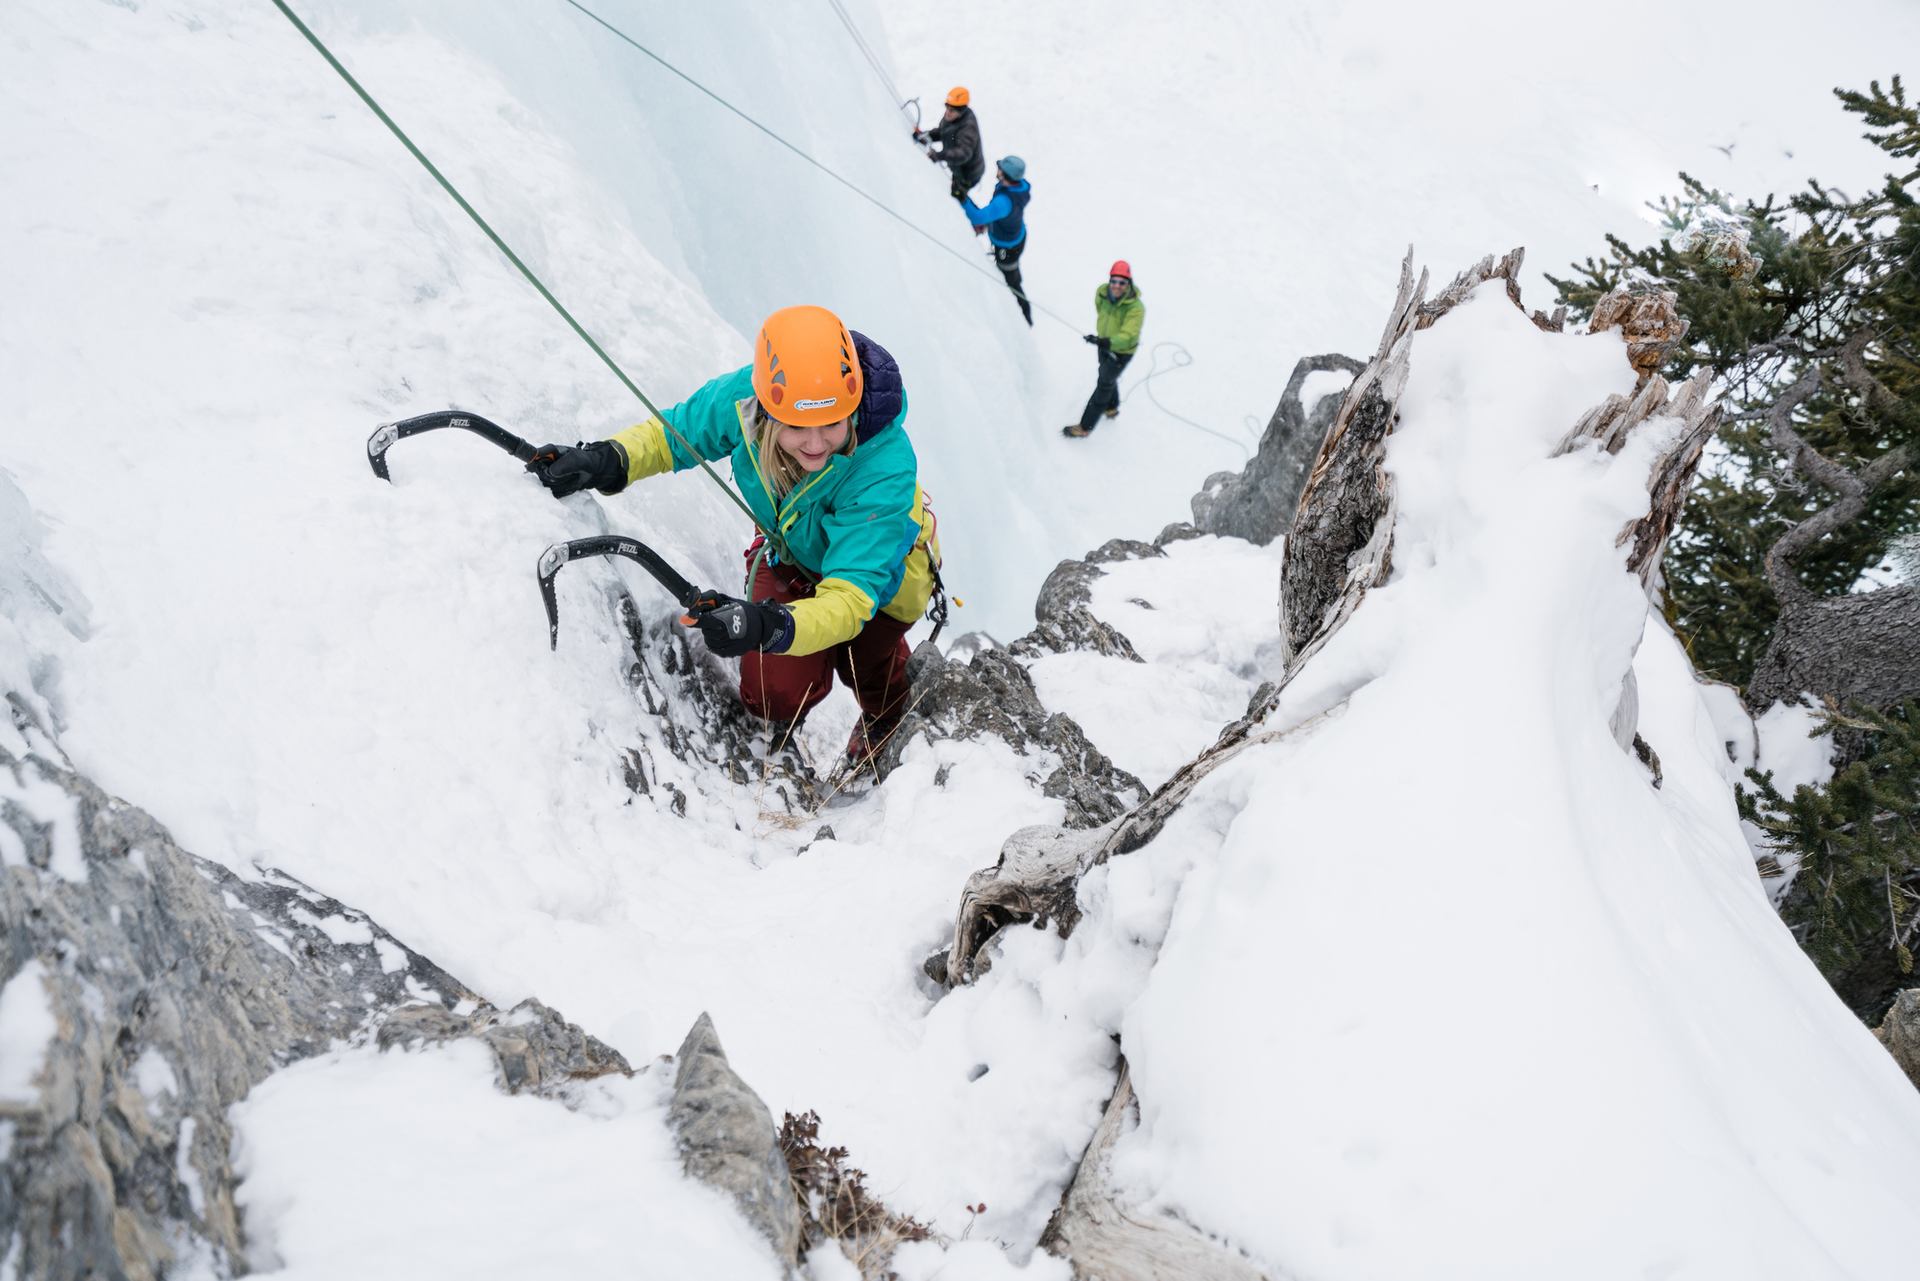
[(1900, 1033), (1341, 540), (1650, 318), (1610, 423), (1112, 1241), (1505, 268), (1863, 648)]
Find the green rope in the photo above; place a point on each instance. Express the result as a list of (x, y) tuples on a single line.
[(535, 281)]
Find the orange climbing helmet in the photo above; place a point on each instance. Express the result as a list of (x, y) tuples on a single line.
[(957, 96), (805, 371)]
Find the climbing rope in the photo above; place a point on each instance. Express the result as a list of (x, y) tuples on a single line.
[(882, 206), (1180, 359), (866, 51), (525, 270)]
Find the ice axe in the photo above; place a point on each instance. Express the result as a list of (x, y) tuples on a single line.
[(689, 596), (386, 434)]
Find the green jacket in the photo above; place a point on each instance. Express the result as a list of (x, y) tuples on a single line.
[(1119, 321), (860, 523)]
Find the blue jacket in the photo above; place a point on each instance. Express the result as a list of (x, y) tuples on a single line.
[(1005, 215), (860, 523)]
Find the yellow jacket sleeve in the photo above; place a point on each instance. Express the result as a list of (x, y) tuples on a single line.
[(835, 612), (646, 449)]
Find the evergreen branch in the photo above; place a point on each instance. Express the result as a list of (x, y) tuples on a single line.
[(1853, 361)]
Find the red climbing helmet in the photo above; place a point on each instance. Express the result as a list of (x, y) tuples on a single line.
[(1120, 268)]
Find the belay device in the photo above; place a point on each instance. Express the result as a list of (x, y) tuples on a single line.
[(689, 596)]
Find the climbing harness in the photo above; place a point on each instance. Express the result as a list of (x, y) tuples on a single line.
[(937, 607)]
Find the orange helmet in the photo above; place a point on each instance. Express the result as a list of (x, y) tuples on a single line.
[(805, 371), (957, 96)]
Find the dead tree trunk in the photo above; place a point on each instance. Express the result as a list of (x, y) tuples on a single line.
[(1340, 547)]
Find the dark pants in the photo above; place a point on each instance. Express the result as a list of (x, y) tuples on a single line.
[(1106, 392), (964, 181), (1008, 261), (783, 687)]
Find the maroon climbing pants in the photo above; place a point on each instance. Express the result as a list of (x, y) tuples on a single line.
[(782, 687)]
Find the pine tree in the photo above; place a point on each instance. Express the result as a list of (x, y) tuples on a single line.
[(1855, 847), (1810, 307), (1808, 313)]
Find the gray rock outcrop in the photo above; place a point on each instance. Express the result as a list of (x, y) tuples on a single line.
[(728, 1140), (1257, 502), (175, 987), (991, 694), (1063, 618)]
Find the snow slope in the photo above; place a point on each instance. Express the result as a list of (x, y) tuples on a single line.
[(224, 273), (1531, 1015)]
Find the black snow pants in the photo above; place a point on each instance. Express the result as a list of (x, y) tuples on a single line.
[(1008, 261), (1106, 392)]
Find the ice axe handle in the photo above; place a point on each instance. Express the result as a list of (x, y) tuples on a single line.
[(685, 593), (386, 434)]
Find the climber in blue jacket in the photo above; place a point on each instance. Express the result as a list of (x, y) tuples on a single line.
[(1004, 219)]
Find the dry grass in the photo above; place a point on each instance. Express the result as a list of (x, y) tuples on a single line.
[(836, 1205)]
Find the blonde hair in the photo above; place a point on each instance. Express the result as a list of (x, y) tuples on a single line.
[(778, 470)]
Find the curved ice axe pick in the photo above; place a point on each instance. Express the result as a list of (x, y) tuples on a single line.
[(387, 433), (689, 596)]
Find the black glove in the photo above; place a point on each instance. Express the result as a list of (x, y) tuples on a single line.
[(919, 135), (1104, 344), (1095, 341), (568, 469), (936, 157), (734, 627)]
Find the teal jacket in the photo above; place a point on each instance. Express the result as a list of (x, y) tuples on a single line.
[(860, 524)]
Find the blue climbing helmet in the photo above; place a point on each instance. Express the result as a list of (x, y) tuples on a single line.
[(1014, 167)]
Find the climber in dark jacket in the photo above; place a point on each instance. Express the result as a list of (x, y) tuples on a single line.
[(1004, 219), (958, 136)]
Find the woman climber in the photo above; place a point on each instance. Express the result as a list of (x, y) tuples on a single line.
[(816, 431)]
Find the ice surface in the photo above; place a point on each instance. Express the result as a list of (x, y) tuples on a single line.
[(153, 1076), (27, 1028)]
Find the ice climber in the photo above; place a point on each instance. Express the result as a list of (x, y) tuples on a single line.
[(958, 136), (815, 429), (1004, 218), (1118, 315)]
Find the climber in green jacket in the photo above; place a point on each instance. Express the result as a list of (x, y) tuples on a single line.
[(1118, 316)]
